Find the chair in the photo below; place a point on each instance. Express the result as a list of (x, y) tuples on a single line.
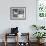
[(26, 41), (7, 35), (14, 32)]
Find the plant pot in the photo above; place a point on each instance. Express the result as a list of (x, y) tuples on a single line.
[(40, 40)]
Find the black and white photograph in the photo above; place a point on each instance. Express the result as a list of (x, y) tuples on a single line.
[(17, 13)]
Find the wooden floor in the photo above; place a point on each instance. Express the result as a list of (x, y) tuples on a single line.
[(13, 44)]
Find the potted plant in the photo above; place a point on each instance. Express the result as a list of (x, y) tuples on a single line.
[(39, 35)]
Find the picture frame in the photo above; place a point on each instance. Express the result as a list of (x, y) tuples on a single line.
[(41, 12), (41, 9), (17, 13)]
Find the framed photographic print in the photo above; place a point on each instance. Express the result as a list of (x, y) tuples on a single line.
[(18, 13), (41, 8), (41, 12)]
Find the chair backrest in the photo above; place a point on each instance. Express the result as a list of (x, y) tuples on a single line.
[(14, 30)]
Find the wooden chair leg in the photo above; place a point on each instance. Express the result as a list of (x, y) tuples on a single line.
[(17, 39), (5, 39), (5, 43)]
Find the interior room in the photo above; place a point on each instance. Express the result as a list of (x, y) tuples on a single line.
[(22, 22)]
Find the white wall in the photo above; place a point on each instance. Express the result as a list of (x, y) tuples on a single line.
[(24, 25)]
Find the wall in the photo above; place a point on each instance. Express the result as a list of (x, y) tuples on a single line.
[(24, 25)]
